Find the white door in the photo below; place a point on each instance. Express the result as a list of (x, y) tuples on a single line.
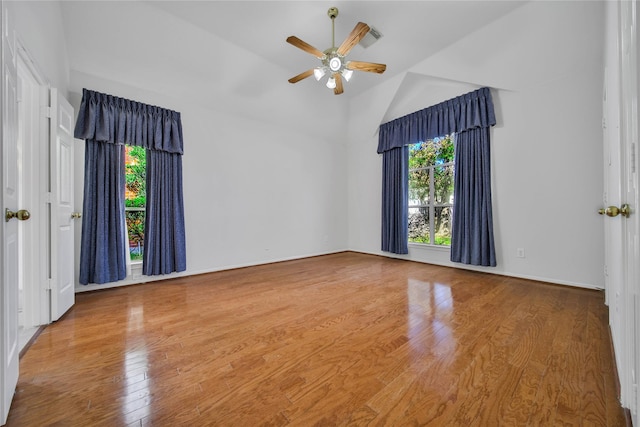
[(629, 182), (628, 45), (621, 193), (612, 196), (62, 216), (33, 96), (10, 228), (633, 197)]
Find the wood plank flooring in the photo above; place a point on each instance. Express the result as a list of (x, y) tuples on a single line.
[(345, 339)]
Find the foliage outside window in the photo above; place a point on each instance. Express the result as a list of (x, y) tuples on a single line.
[(431, 191), (135, 199)]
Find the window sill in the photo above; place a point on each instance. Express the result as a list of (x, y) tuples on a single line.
[(136, 269), (424, 246)]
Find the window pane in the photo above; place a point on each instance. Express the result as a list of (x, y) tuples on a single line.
[(419, 225), (431, 190), (135, 199), (442, 225), (422, 154), (443, 184), (419, 187), (135, 176), (135, 227)]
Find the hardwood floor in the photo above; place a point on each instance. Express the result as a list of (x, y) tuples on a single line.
[(344, 339)]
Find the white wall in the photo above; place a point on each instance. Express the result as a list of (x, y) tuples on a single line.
[(272, 172), (254, 192), (263, 178), (544, 63), (39, 28)]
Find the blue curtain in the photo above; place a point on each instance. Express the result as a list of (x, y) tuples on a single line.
[(472, 223), (102, 250), (121, 121), (471, 111), (115, 121), (395, 200), (164, 227)]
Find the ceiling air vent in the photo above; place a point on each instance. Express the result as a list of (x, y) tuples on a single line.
[(371, 37)]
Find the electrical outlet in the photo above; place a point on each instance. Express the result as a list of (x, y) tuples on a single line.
[(520, 252)]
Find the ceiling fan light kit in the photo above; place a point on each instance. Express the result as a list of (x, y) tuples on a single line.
[(333, 59)]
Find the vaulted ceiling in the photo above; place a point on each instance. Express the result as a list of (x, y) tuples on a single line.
[(238, 40), (411, 30), (238, 48)]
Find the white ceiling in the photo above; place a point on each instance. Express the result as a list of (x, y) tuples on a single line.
[(412, 30), (242, 43)]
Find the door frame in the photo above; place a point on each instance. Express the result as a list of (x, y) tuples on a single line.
[(37, 248)]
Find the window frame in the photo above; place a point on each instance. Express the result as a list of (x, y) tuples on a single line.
[(432, 205), (133, 209)]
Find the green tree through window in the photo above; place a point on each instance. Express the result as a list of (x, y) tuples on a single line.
[(431, 191), (135, 199)]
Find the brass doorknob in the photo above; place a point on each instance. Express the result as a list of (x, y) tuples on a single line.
[(21, 215), (76, 215), (612, 211)]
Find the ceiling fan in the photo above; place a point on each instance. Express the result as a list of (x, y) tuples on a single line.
[(333, 59)]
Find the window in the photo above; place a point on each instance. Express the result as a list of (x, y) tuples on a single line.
[(431, 191), (135, 199)]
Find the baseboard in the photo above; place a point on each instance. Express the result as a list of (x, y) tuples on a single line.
[(147, 279), (484, 270), (31, 341)]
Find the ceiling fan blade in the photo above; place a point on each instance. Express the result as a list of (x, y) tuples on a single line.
[(370, 67), (359, 31), (338, 89), (305, 46), (301, 76)]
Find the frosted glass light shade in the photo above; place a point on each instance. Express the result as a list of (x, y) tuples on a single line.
[(335, 63)]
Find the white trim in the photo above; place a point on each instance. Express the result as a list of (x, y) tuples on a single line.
[(146, 279), (31, 63), (486, 270), (37, 198), (429, 247)]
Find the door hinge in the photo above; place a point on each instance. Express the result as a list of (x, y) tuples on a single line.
[(48, 198), (46, 111), (49, 285), (604, 123)]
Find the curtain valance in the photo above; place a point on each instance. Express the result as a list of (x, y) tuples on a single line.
[(469, 111), (107, 118)]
